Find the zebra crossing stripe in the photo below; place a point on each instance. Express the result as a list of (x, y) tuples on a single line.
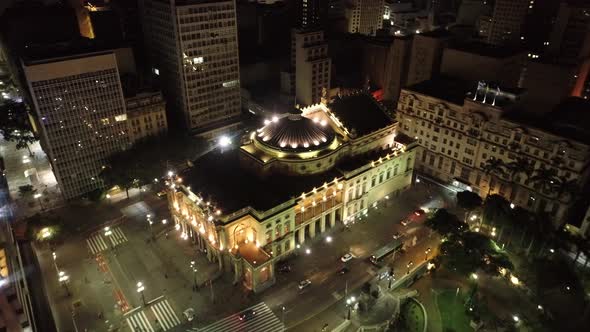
[(264, 321), (165, 315), (96, 244), (117, 237), (139, 323)]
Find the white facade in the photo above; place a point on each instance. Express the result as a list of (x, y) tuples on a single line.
[(81, 116), (365, 16), (193, 47), (312, 66)]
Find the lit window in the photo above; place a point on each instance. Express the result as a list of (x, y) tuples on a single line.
[(121, 117), (198, 60)]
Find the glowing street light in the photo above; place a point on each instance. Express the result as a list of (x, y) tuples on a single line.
[(329, 239), (224, 141), (63, 278), (350, 303), (515, 318), (164, 221), (140, 289), (474, 276), (308, 251), (512, 206), (194, 269)]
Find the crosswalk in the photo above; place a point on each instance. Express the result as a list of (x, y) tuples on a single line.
[(165, 315), (263, 321), (99, 242), (164, 318), (138, 322)]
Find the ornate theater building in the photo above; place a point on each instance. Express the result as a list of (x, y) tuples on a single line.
[(300, 174)]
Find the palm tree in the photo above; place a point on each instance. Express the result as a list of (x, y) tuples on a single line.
[(519, 166), (567, 188), (545, 178), (494, 167)]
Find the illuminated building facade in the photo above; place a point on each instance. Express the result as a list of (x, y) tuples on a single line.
[(300, 174), (193, 47), (365, 16), (81, 117), (463, 126), (146, 115)]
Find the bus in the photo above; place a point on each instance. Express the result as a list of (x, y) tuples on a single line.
[(385, 251)]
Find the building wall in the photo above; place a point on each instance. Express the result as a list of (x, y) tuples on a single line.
[(474, 67), (426, 58), (570, 38), (194, 48), (146, 116), (365, 16), (312, 68), (507, 19), (457, 141), (81, 117)]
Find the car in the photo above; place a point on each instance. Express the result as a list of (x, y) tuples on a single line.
[(247, 315), (405, 222), (346, 257), (284, 268), (161, 193), (343, 270), (304, 283), (397, 235), (419, 212)]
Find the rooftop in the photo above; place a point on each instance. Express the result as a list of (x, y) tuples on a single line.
[(216, 171), (439, 33), (487, 50), (361, 113), (446, 88)]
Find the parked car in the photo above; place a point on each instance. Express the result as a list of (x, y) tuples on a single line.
[(405, 222), (397, 235), (343, 270), (346, 257), (419, 212), (285, 268), (304, 283), (247, 315)]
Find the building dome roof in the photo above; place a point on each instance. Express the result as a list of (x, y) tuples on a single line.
[(293, 132)]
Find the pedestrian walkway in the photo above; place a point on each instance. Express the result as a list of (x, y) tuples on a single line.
[(138, 322), (165, 315), (97, 242), (263, 321)]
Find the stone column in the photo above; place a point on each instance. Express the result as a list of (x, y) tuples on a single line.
[(333, 218), (301, 234), (323, 224), (236, 272), (220, 259), (312, 229)]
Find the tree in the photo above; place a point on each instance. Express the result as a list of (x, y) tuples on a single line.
[(26, 191), (445, 223), (494, 168), (468, 201), (545, 178), (495, 208), (15, 125), (519, 166), (120, 171)]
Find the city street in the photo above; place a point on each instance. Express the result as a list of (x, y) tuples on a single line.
[(106, 266)]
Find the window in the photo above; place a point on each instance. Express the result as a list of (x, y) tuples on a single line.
[(373, 181)]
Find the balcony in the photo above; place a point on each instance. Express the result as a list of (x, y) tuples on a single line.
[(311, 212)]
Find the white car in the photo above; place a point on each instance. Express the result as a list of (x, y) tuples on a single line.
[(304, 283), (346, 257)]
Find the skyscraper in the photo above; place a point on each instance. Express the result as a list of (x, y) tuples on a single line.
[(312, 66), (81, 115), (312, 13), (193, 48), (507, 21), (365, 16)]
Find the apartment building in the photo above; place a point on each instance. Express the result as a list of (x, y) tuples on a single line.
[(427, 51), (80, 110), (193, 48), (508, 18), (312, 66), (365, 16), (146, 115), (463, 126)]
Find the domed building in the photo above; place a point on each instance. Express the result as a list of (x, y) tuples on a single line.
[(296, 176)]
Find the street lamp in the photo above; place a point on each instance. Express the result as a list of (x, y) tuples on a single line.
[(428, 250), (283, 317), (63, 278), (350, 303), (328, 239), (308, 251), (164, 221), (150, 222), (194, 268), (140, 289), (108, 232), (38, 197), (54, 254), (410, 263)]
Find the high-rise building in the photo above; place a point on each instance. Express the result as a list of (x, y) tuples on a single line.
[(427, 50), (365, 16), (569, 42), (464, 127), (312, 13), (312, 66), (146, 115), (508, 18), (80, 110), (193, 48)]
